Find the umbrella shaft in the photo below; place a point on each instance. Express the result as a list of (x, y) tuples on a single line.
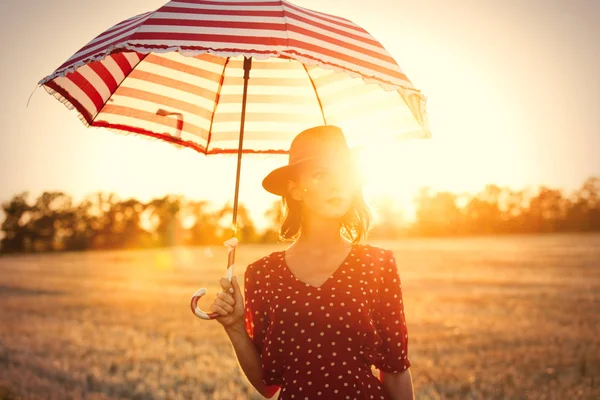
[(247, 67)]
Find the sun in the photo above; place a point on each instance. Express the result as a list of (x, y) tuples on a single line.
[(393, 171)]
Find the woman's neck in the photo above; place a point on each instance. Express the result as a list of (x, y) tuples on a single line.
[(321, 233)]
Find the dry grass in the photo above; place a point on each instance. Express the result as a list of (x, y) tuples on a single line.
[(489, 318)]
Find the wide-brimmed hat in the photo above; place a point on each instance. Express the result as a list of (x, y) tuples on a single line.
[(325, 142)]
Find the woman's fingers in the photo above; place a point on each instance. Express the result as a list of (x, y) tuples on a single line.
[(228, 302), (226, 285), (237, 292), (226, 298), (224, 305), (219, 310)]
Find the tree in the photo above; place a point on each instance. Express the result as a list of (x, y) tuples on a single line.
[(274, 215), (388, 221), (102, 220), (14, 225), (78, 228), (483, 213), (437, 214), (246, 229), (205, 227), (514, 205), (547, 211), (584, 211), (49, 220), (164, 216)]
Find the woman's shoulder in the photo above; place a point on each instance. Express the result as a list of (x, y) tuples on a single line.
[(264, 263), (380, 261), (376, 252)]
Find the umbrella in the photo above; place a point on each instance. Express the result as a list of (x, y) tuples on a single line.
[(240, 77)]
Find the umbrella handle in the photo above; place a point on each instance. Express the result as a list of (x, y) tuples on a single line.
[(231, 244), (196, 310)]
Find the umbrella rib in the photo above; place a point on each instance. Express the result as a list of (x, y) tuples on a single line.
[(117, 88), (316, 94), (217, 98)]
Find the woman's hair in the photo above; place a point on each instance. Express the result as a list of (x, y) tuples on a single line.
[(354, 225)]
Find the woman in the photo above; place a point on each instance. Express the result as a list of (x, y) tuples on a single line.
[(320, 313)]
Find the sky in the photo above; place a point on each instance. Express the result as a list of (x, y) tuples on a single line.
[(513, 92)]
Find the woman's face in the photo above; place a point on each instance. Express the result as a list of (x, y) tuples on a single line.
[(326, 190)]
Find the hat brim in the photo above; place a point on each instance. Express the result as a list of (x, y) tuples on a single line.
[(276, 181)]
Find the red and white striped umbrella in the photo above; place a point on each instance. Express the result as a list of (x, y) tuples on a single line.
[(240, 76), (186, 58)]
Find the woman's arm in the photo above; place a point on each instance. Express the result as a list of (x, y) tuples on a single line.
[(249, 359), (398, 385), (229, 304)]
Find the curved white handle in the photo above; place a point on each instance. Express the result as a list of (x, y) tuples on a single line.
[(231, 244), (196, 310)]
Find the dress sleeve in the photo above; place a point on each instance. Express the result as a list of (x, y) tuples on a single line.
[(255, 309), (389, 317)]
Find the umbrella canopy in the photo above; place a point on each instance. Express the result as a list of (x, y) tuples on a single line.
[(177, 74)]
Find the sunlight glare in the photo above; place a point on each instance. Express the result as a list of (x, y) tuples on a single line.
[(392, 170)]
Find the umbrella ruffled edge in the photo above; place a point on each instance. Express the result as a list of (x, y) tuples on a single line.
[(260, 55)]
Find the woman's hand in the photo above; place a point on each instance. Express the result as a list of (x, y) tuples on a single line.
[(229, 304)]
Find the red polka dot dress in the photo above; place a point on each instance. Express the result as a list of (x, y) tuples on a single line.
[(320, 342)]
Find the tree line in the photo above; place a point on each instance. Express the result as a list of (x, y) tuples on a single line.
[(53, 222)]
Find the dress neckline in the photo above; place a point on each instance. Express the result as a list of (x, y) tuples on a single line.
[(338, 270)]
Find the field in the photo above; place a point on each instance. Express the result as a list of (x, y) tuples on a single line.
[(489, 318)]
